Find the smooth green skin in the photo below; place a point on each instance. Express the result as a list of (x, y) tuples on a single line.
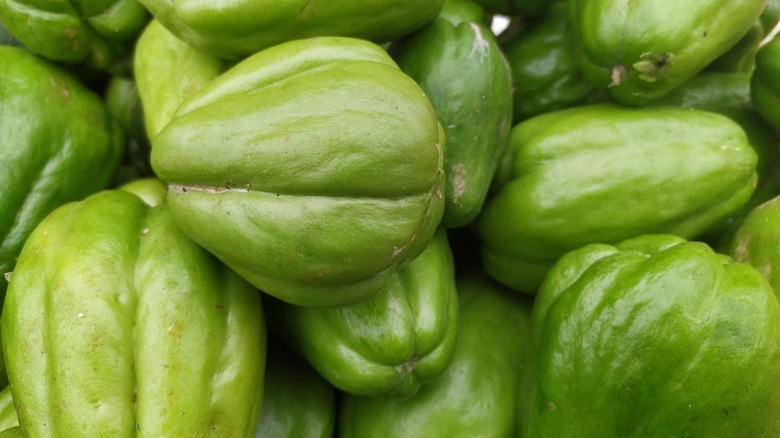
[(116, 324), (6, 39), (297, 402), (770, 16), (604, 173), (233, 29), (167, 71), (545, 74), (98, 33), (58, 143), (654, 337), (642, 51), (741, 57), (765, 83), (151, 190), (729, 94), (477, 395), (464, 73), (389, 344), (8, 417), (14, 432), (314, 169), (756, 241)]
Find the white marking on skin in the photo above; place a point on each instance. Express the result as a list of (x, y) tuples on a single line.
[(480, 45)]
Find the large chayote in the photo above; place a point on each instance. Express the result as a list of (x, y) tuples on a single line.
[(236, 28), (605, 173), (58, 143), (639, 51), (98, 33), (118, 325), (389, 344), (728, 93), (313, 169), (653, 337)]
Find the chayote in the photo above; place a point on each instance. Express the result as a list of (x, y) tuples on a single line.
[(757, 241), (765, 83), (389, 344), (641, 51), (458, 63), (729, 94), (653, 337), (297, 402), (235, 29), (545, 74), (58, 143), (477, 395), (118, 325), (167, 71), (741, 56), (99, 34), (605, 173), (770, 16), (313, 169)]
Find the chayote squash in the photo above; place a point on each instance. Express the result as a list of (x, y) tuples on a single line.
[(458, 63), (477, 395), (545, 74), (389, 344), (653, 337), (770, 16), (641, 50), (58, 143), (757, 241), (99, 34), (297, 402), (14, 432), (729, 94), (118, 325), (235, 29), (167, 71), (313, 169), (605, 173), (741, 56), (765, 83)]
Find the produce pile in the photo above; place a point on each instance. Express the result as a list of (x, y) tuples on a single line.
[(388, 219)]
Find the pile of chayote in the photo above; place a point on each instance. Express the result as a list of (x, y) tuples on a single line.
[(391, 219)]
